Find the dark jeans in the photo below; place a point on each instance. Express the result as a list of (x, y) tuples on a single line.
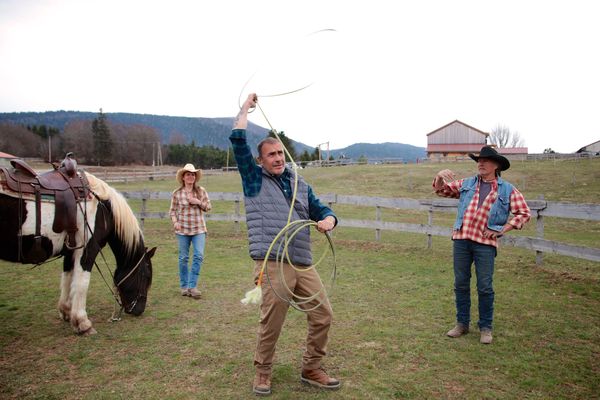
[(467, 252)]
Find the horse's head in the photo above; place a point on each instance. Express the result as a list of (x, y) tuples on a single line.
[(133, 283)]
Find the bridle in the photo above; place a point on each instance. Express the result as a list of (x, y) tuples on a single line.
[(140, 294)]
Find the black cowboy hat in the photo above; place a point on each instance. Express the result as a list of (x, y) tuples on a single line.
[(491, 153)]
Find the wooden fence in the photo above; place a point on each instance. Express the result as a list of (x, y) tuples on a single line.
[(539, 209), (126, 175)]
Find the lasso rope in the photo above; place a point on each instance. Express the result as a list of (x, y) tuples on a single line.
[(284, 237), (269, 95), (278, 93)]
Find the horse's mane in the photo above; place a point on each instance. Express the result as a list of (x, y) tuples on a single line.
[(126, 224)]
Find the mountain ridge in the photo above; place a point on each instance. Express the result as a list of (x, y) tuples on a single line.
[(205, 131)]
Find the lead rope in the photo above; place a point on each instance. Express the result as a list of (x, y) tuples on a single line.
[(117, 306), (288, 232)]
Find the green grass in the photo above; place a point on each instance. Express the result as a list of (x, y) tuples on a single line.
[(392, 302)]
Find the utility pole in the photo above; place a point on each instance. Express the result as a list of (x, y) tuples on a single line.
[(153, 154), (159, 155), (319, 147)]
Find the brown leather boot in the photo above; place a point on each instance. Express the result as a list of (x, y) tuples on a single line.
[(262, 384), (486, 336), (319, 378), (458, 331)]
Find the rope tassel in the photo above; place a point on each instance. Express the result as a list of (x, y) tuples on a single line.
[(253, 296)]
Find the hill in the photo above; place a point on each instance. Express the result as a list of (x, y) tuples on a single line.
[(405, 152), (202, 131), (206, 132)]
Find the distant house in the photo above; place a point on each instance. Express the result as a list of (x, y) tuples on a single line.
[(5, 158), (593, 148), (458, 139)]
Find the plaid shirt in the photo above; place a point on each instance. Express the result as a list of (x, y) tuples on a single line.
[(189, 216), (252, 177), (475, 219)]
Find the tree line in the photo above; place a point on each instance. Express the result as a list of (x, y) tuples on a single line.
[(102, 142), (93, 142), (305, 156), (205, 157)]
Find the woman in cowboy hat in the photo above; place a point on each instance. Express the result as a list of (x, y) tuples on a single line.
[(188, 204), (485, 202)]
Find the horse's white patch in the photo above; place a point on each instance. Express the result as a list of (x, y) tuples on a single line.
[(79, 288), (64, 303), (47, 218)]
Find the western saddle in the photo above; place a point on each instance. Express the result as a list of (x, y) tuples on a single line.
[(64, 185)]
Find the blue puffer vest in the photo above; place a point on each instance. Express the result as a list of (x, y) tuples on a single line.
[(267, 214), (500, 209)]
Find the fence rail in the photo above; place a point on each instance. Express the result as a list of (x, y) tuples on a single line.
[(112, 175), (540, 209)]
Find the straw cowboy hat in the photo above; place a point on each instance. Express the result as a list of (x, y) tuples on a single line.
[(490, 153), (188, 168)]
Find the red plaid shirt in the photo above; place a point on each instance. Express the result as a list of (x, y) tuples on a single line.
[(475, 219), (189, 216)]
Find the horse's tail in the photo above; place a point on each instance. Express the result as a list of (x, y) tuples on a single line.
[(126, 224)]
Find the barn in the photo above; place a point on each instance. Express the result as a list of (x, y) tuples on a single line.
[(592, 148), (457, 140), (5, 158)]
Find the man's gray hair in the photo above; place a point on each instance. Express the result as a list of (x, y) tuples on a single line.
[(269, 140)]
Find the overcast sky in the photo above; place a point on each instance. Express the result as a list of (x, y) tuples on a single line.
[(391, 71)]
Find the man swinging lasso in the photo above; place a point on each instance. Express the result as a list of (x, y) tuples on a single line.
[(268, 193)]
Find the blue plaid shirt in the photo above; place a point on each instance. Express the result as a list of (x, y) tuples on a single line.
[(252, 177)]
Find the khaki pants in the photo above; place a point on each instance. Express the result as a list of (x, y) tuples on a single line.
[(273, 311)]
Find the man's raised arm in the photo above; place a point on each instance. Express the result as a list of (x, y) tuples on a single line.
[(241, 121)]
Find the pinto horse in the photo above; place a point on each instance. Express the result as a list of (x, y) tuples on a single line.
[(28, 235)]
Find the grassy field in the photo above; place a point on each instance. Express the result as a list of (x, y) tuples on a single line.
[(393, 302)]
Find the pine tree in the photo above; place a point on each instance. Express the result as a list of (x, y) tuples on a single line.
[(103, 144), (305, 156), (315, 154)]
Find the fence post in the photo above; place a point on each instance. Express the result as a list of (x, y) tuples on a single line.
[(145, 195), (237, 216), (539, 233), (429, 223), (377, 218)]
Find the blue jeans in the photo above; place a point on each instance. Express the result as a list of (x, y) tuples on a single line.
[(467, 252), (187, 278)]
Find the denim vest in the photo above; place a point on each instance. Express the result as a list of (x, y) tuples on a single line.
[(500, 208), (267, 214)]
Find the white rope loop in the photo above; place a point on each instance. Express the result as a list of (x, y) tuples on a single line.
[(283, 261)]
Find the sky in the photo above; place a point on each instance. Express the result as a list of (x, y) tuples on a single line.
[(377, 71)]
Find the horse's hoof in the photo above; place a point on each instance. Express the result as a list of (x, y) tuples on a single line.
[(90, 331), (84, 327)]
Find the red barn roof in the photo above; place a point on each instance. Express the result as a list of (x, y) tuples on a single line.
[(6, 155)]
